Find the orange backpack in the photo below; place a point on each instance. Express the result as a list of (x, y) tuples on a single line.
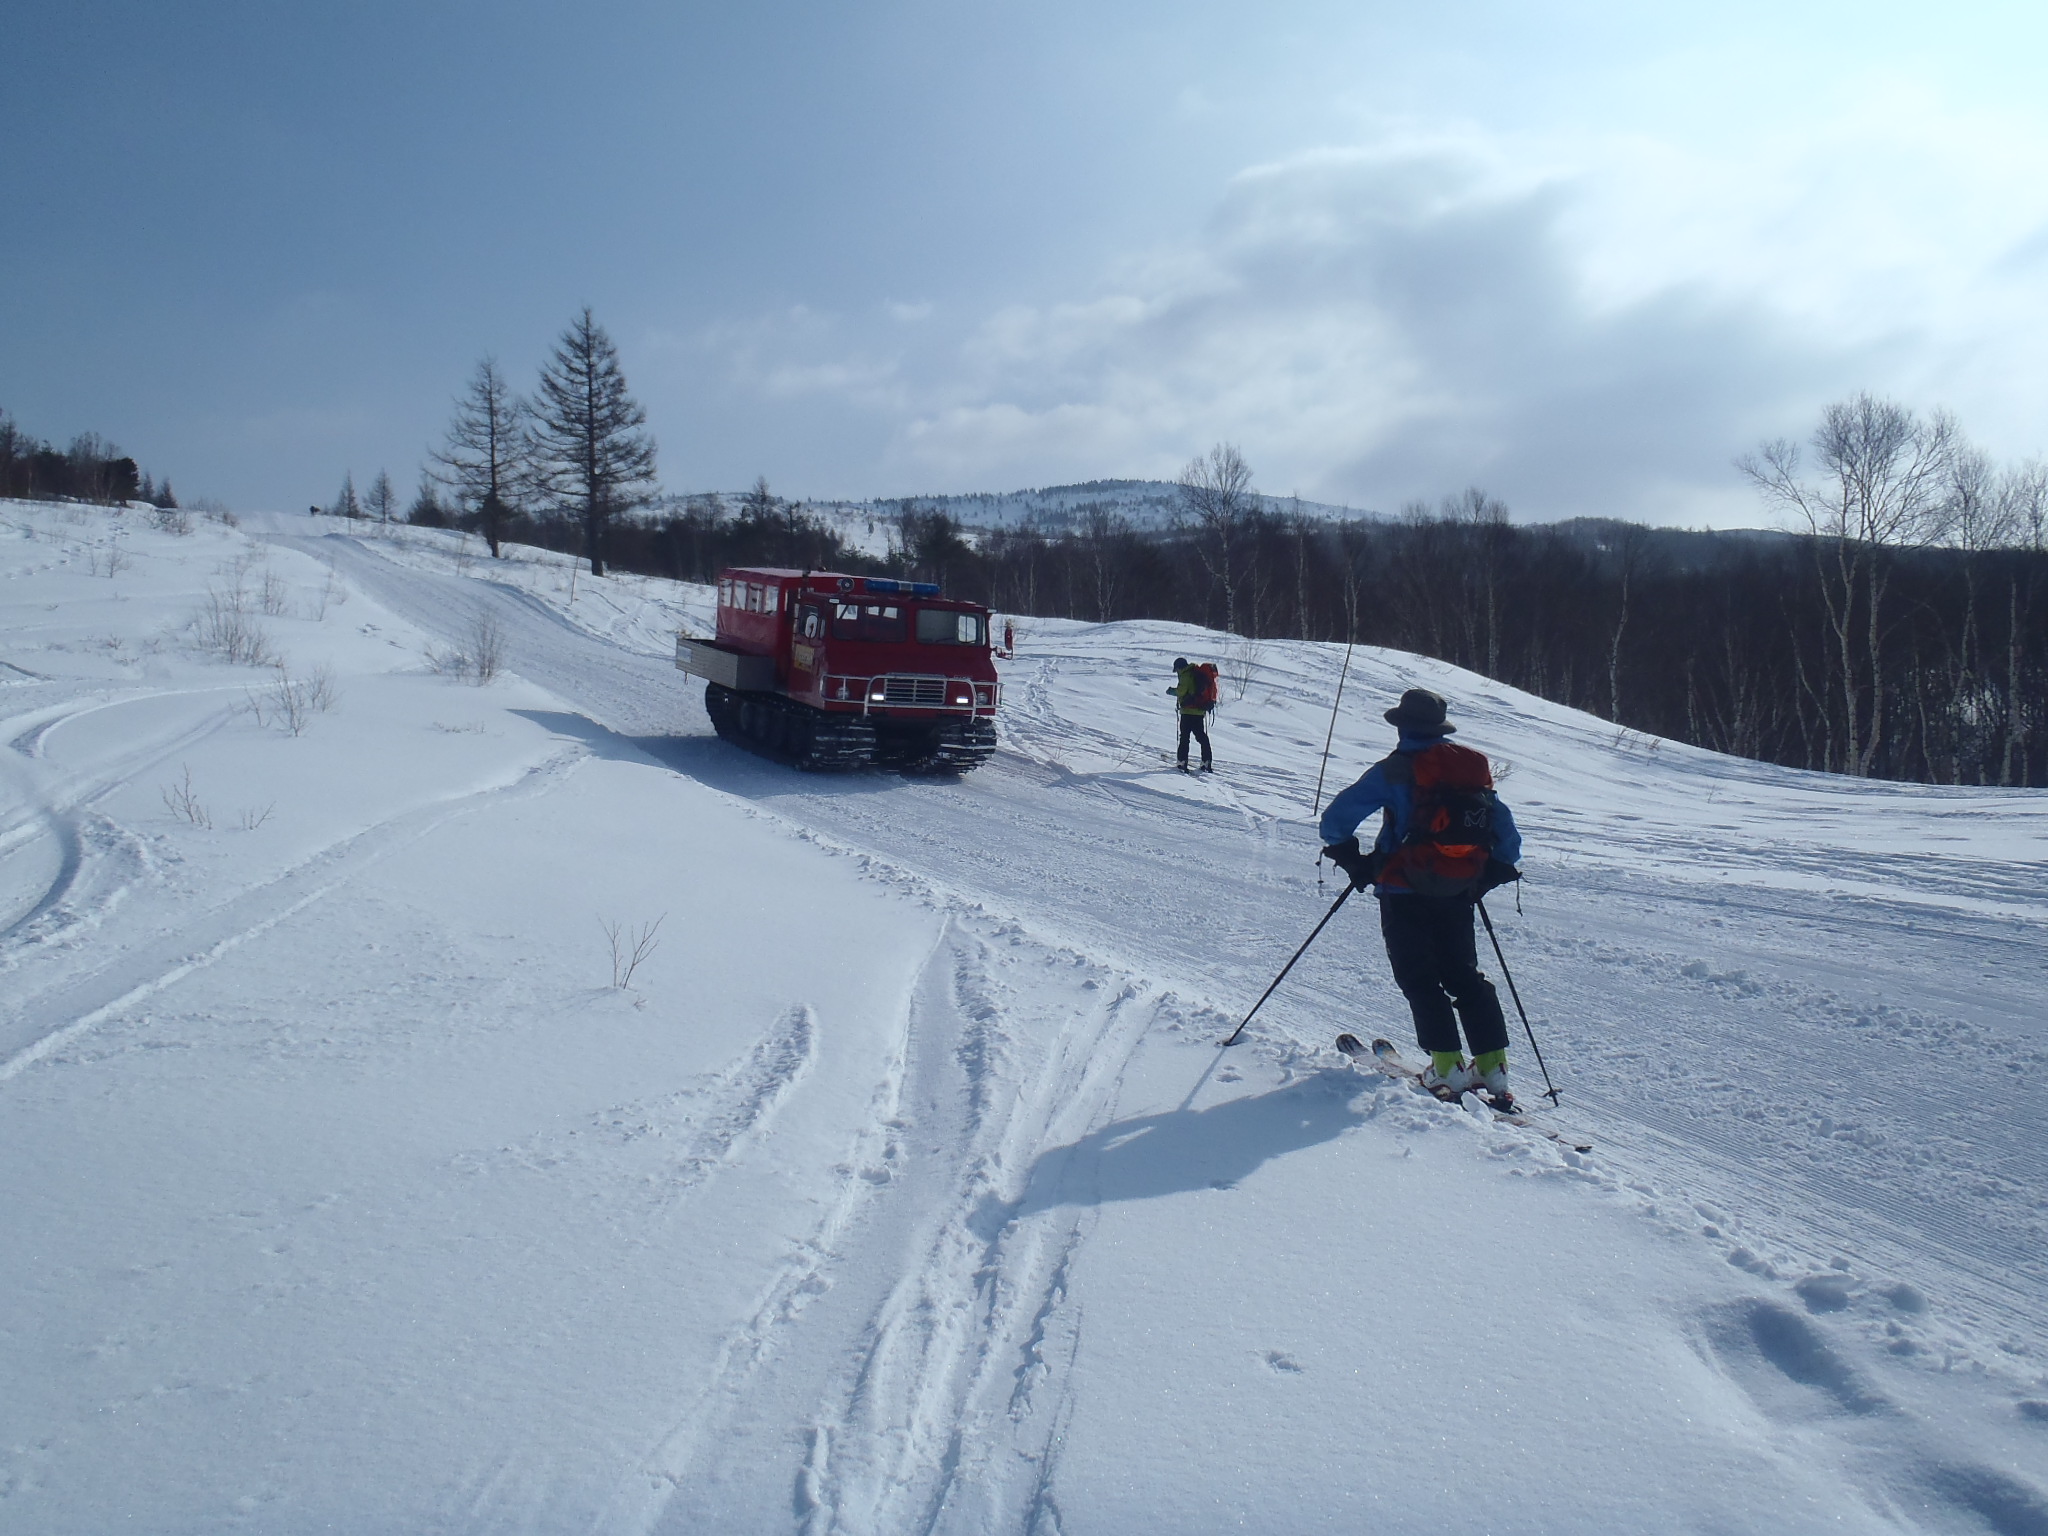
[(1450, 820), (1206, 691)]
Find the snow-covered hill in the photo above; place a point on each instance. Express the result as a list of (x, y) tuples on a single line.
[(903, 1186), (1146, 505)]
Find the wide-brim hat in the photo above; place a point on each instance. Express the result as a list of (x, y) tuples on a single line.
[(1423, 713)]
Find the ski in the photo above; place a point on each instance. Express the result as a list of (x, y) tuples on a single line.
[(1383, 1055)]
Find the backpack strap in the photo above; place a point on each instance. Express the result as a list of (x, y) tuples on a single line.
[(1398, 769)]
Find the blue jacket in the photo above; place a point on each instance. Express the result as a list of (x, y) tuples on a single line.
[(1375, 793)]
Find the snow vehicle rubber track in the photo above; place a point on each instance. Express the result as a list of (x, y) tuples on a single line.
[(827, 672)]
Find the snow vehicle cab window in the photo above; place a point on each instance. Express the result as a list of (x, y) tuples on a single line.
[(867, 621), (942, 626)]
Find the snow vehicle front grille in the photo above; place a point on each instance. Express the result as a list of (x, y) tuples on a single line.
[(918, 692)]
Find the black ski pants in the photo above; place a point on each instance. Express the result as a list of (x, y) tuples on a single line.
[(1196, 726), (1435, 955)]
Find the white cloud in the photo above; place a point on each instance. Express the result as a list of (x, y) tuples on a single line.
[(1589, 326)]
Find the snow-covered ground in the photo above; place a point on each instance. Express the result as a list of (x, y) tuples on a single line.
[(903, 1187)]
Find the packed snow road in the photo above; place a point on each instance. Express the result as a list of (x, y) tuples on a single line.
[(904, 1187)]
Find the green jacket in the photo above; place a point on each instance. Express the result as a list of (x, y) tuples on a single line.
[(1185, 689)]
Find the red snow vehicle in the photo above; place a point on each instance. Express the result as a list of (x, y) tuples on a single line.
[(831, 671)]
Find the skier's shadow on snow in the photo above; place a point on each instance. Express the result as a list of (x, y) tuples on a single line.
[(1181, 1150)]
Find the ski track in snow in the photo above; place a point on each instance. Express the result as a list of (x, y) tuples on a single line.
[(46, 1021), (903, 1370), (46, 908), (671, 1146), (900, 1357)]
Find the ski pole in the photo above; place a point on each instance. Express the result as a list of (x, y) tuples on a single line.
[(1331, 736), (1342, 897), (1549, 1089)]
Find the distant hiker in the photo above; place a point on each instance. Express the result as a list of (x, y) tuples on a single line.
[(1195, 689), (1445, 839)]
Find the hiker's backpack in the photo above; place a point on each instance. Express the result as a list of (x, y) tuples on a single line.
[(1450, 821), (1206, 692)]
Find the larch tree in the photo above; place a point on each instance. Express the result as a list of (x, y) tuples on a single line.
[(485, 456), (381, 501), (589, 452)]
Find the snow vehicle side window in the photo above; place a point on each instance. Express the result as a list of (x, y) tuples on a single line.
[(867, 621), (809, 622), (940, 626)]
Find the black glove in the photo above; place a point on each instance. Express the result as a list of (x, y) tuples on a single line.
[(1354, 861), (1498, 872)]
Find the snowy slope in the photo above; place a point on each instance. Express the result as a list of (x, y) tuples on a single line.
[(1144, 504), (904, 1187)]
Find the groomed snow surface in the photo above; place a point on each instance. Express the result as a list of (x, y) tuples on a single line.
[(903, 1187)]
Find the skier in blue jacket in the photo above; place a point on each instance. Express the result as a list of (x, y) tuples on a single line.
[(1431, 944)]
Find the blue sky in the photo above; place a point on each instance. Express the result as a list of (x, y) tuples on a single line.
[(1580, 254)]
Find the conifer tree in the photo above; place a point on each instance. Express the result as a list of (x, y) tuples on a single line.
[(487, 451), (589, 453), (426, 510), (381, 500)]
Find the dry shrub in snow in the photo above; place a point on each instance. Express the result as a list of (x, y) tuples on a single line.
[(182, 803), (486, 647), (290, 703), (224, 627), (272, 596), (479, 658), (630, 947), (332, 594)]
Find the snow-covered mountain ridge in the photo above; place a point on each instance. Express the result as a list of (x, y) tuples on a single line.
[(1145, 505), (903, 1187)]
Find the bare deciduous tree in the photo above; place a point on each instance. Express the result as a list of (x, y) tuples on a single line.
[(1883, 483), (589, 451), (1217, 501), (1627, 550), (1487, 517)]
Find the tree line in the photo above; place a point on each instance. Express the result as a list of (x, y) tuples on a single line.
[(1898, 628), (90, 469)]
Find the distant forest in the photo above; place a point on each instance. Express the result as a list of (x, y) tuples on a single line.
[(1899, 631), (91, 469), (1731, 641)]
